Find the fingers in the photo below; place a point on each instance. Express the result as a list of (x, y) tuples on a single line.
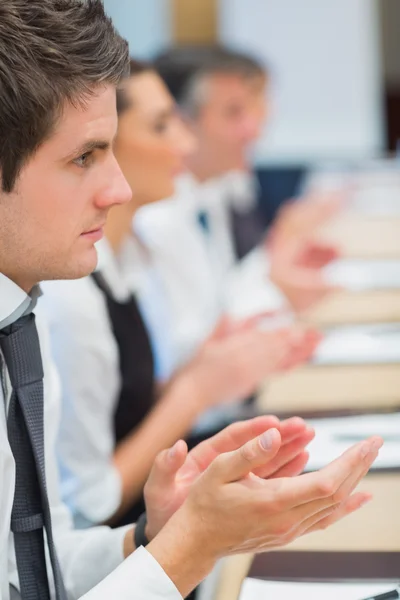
[(302, 345), (326, 483), (359, 471), (294, 467), (237, 465), (166, 465), (251, 322), (221, 329), (286, 455), (291, 428), (310, 212), (331, 500), (282, 349), (318, 521), (315, 255), (311, 513), (355, 502), (230, 439)]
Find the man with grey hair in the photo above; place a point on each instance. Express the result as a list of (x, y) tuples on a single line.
[(222, 95)]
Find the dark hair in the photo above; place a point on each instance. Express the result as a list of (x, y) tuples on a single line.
[(51, 52), (136, 67), (182, 67)]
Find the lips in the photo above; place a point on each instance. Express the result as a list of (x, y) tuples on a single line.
[(95, 229), (93, 235)]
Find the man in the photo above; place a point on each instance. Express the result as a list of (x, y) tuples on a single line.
[(60, 63), (213, 218)]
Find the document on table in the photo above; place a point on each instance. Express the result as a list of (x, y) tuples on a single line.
[(359, 275), (359, 344), (334, 435), (256, 589), (377, 200)]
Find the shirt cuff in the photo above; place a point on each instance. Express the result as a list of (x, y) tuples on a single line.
[(139, 576), (248, 289)]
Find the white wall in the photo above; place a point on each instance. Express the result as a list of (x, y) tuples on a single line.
[(325, 59), (146, 24)]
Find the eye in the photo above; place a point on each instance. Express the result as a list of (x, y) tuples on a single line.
[(83, 160), (161, 127)]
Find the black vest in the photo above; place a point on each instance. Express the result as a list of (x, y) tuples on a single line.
[(137, 394)]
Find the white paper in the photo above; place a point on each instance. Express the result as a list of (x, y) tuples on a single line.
[(378, 201), (361, 344), (363, 275), (372, 189), (333, 436), (256, 589)]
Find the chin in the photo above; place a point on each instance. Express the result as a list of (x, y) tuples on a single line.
[(88, 264), (82, 266)]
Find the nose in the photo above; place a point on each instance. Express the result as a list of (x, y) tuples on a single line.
[(115, 189)]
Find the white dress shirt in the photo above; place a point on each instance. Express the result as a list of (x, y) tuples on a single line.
[(200, 275), (87, 359), (88, 558), (136, 267)]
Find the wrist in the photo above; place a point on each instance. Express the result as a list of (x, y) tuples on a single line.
[(149, 533), (190, 391), (129, 546), (181, 551)]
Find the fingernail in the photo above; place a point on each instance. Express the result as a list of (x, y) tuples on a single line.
[(376, 445), (371, 447), (172, 452), (365, 449), (364, 502), (266, 440)]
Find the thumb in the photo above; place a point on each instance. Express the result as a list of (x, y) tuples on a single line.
[(258, 452), (166, 465), (253, 321), (222, 329)]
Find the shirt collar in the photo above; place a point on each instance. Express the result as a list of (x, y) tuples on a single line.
[(14, 302)]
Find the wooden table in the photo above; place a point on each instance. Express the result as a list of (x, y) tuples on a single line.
[(367, 543), (364, 545), (355, 307), (315, 388)]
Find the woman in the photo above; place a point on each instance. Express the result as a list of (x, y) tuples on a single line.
[(115, 420)]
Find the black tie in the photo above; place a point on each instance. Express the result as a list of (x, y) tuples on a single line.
[(248, 230), (30, 515)]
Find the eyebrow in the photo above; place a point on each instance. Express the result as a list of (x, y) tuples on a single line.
[(89, 146)]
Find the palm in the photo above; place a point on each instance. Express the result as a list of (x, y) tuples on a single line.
[(164, 500)]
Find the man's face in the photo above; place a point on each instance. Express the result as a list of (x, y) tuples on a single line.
[(231, 118), (52, 219)]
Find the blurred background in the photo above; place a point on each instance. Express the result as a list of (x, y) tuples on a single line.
[(335, 74)]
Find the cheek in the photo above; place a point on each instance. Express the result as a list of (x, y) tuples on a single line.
[(161, 182), (165, 169), (224, 131), (156, 162), (59, 211)]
